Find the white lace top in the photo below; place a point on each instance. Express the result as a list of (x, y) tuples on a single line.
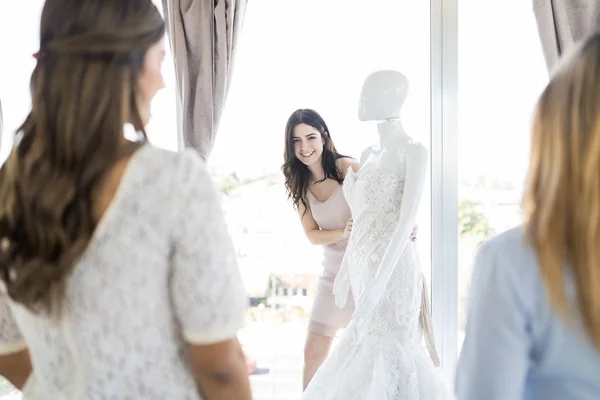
[(160, 270)]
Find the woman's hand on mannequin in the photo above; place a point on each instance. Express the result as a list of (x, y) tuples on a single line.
[(348, 229), (413, 234)]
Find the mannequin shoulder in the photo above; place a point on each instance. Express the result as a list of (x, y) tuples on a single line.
[(366, 154), (416, 151), (417, 158), (346, 162)]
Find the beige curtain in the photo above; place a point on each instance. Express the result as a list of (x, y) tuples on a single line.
[(561, 23), (203, 35)]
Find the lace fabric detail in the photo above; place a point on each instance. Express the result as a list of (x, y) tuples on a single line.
[(380, 214), (375, 202), (159, 271), (11, 339), (377, 356)]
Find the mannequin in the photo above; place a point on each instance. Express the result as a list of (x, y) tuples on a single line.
[(380, 355), (381, 99)]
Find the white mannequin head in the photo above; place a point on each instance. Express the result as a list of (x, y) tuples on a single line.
[(382, 96)]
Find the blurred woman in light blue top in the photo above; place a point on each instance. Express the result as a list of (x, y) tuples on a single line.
[(533, 327)]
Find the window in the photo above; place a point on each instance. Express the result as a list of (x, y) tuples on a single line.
[(162, 129), (501, 74)]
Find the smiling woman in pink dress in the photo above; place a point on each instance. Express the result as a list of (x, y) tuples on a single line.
[(314, 172)]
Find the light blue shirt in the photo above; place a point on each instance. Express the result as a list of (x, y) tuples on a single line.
[(515, 347)]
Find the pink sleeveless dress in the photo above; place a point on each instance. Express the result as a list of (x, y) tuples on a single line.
[(326, 318)]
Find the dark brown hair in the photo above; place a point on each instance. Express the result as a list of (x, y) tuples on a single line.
[(83, 92), (297, 175)]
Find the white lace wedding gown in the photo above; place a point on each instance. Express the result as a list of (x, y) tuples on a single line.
[(379, 357)]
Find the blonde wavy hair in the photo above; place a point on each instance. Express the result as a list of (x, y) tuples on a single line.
[(562, 196)]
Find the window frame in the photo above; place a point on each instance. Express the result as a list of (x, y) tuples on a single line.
[(444, 179)]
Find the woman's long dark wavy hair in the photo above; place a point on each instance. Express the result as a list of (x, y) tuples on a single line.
[(84, 90), (297, 175)]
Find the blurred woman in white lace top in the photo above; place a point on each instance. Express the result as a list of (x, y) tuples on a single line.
[(118, 278)]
